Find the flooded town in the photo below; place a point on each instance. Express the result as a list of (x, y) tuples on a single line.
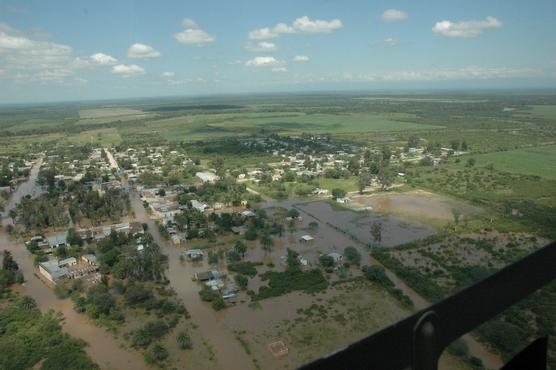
[(277, 185)]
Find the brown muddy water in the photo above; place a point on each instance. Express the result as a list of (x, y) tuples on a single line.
[(417, 205), (395, 230), (103, 348)]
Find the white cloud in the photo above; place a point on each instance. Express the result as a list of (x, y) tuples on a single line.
[(389, 41), (300, 58), (304, 24), (128, 70), (168, 74), (24, 59), (103, 59), (141, 51), (189, 23), (269, 62), (194, 36), (393, 15), (279, 69), (261, 46), (440, 74), (465, 28), (301, 24)]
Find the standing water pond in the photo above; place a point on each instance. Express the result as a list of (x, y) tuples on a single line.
[(395, 231)]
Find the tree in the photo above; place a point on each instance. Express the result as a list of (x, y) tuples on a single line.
[(413, 141), (338, 193), (363, 181), (464, 146), (293, 213), (376, 231), (470, 162), (8, 263), (352, 254), (267, 242), (240, 248), (326, 261), (73, 238), (384, 177)]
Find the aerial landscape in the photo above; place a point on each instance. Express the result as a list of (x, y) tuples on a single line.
[(163, 218)]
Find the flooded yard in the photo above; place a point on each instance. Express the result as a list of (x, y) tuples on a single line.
[(395, 230)]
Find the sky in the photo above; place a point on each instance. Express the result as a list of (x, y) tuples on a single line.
[(85, 50)]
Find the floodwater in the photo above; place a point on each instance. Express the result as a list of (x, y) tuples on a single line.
[(211, 324), (395, 231), (104, 349), (417, 205)]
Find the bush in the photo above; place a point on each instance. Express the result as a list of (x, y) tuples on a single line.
[(62, 291), (241, 281), (207, 294), (377, 274), (136, 293), (353, 255), (184, 340), (218, 303), (244, 268)]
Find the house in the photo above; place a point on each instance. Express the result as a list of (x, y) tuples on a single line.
[(207, 177), (140, 247), (248, 213), (57, 240), (302, 260), (200, 206), (337, 257), (343, 200), (70, 261), (207, 275), (306, 238), (319, 191), (89, 259), (177, 239), (52, 271), (194, 254)]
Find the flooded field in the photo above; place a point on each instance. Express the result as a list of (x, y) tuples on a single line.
[(414, 205), (395, 230)]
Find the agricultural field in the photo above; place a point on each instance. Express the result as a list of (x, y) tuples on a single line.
[(197, 127), (537, 161)]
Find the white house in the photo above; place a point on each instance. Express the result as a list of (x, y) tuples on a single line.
[(207, 177)]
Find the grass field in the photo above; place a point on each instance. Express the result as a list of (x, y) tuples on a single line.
[(545, 111), (108, 112), (200, 126), (539, 161)]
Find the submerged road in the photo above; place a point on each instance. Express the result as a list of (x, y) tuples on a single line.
[(211, 324), (103, 348)]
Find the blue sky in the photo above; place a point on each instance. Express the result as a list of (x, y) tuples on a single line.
[(72, 50)]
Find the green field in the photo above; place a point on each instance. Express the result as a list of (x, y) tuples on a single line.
[(539, 161), (545, 111), (201, 126)]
